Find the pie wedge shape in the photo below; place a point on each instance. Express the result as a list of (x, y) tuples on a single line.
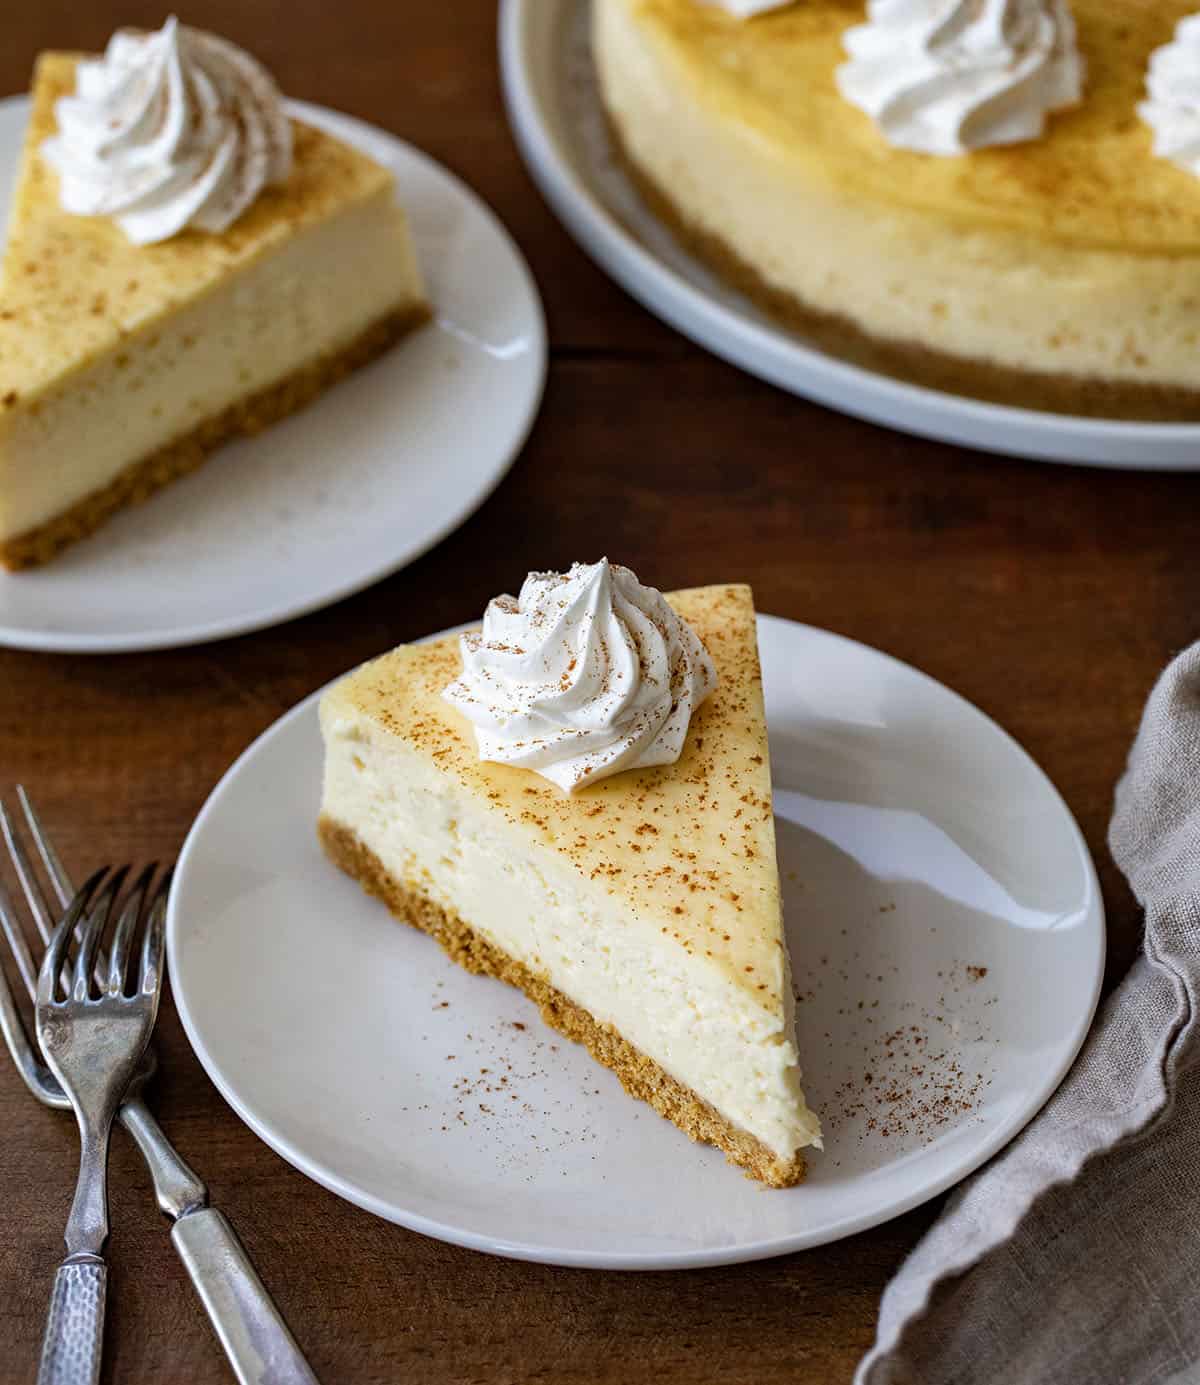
[(642, 914), (123, 366)]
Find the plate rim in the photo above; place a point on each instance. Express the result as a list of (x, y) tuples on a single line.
[(745, 1252), (778, 356), (58, 642)]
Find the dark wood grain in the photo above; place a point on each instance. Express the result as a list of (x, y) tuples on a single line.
[(1050, 596)]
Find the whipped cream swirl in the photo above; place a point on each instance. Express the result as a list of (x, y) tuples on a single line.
[(168, 130), (1172, 109), (585, 674), (947, 76), (747, 9)]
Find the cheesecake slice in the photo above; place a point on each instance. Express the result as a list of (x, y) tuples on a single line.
[(123, 366), (641, 913)]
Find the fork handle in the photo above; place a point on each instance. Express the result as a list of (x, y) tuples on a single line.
[(253, 1333), (75, 1323)]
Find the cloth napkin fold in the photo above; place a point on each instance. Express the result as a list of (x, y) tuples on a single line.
[(1074, 1256)]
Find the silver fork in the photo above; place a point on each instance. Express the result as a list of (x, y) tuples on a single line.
[(255, 1338), (93, 1044)]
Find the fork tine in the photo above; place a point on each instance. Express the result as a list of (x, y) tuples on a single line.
[(150, 982), (55, 869), (56, 872), (16, 940), (16, 1036), (56, 950), (118, 966), (39, 905), (97, 921)]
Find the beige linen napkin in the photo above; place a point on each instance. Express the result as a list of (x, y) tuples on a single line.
[(1074, 1256)]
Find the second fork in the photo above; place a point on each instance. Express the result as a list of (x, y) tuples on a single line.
[(256, 1340), (93, 1044)]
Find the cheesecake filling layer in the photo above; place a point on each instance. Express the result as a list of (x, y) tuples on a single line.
[(672, 1005), (263, 324), (996, 295)]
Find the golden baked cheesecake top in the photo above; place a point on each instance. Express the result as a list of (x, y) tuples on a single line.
[(1091, 180), (72, 287), (692, 842)]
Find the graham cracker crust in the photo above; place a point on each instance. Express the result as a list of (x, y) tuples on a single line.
[(140, 480), (640, 1076), (910, 361)]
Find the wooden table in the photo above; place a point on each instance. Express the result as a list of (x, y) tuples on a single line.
[(1049, 596)]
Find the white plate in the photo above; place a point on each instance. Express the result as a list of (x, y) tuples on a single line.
[(916, 842), (357, 485), (554, 109)]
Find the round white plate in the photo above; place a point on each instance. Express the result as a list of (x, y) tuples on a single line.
[(943, 918), (348, 490), (555, 112)]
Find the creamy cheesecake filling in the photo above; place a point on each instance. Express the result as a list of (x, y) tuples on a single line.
[(999, 295), (309, 298), (672, 1005)]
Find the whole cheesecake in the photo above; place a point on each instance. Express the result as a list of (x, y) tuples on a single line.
[(641, 913), (1061, 272)]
